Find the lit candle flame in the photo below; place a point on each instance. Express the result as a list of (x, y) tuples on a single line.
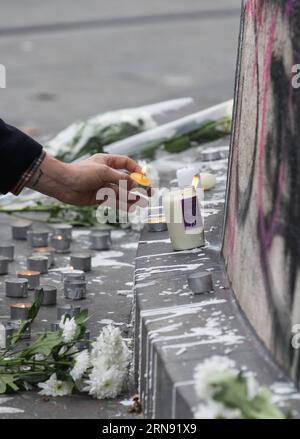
[(195, 181), (144, 169)]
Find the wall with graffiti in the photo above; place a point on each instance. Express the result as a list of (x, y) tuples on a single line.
[(261, 245)]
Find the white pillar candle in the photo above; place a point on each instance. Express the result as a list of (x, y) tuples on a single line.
[(183, 215), (185, 176)]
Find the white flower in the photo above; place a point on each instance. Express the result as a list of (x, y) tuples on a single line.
[(110, 359), (55, 387), (69, 328), (208, 371), (82, 362), (111, 347), (105, 382), (216, 410), (39, 357)]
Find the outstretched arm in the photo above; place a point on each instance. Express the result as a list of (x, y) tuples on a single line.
[(78, 183)]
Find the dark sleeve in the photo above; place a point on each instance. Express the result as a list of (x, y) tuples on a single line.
[(17, 153)]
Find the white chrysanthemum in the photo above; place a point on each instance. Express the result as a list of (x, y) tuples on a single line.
[(82, 363), (111, 348), (216, 410), (208, 371), (110, 359), (103, 382), (69, 328), (55, 387)]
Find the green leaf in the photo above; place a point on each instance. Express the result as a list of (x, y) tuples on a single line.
[(82, 317), (33, 311), (43, 345), (232, 391), (7, 383)]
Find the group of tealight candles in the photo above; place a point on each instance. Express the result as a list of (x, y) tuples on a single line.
[(44, 245)]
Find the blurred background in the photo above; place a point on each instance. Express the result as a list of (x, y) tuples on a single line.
[(67, 60)]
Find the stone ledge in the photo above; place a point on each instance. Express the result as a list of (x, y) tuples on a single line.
[(175, 330)]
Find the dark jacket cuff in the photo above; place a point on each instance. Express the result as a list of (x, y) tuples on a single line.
[(17, 153)]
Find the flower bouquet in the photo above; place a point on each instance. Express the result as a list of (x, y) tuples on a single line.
[(228, 393), (56, 364)]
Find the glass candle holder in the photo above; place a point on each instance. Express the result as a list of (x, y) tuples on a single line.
[(20, 311), (63, 229), (20, 228), (81, 261), (200, 282), (50, 295), (16, 287), (70, 310), (81, 345), (75, 289), (100, 240), (54, 326), (4, 262), (157, 224), (46, 251), (33, 278), (60, 243), (38, 238), (71, 274), (7, 250), (13, 326), (38, 263), (184, 220)]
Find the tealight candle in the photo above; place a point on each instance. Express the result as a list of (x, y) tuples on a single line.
[(16, 287), (20, 228), (81, 261), (100, 240), (157, 224), (75, 290), (200, 282), (182, 210), (7, 250), (70, 310), (9, 329), (50, 295), (140, 179), (4, 261), (33, 278), (38, 238), (208, 181), (20, 311), (63, 229), (54, 326), (72, 274), (81, 345), (46, 251), (60, 243), (38, 263)]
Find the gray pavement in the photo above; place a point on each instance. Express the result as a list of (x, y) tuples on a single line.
[(109, 300), (57, 77), (133, 53)]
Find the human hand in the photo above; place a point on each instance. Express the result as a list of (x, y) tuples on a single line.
[(78, 183)]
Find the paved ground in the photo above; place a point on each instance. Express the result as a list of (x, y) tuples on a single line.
[(55, 76), (109, 299), (66, 62)]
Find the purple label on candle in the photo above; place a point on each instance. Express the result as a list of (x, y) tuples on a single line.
[(191, 213)]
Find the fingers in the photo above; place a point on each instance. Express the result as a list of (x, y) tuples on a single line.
[(112, 176), (123, 162)]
